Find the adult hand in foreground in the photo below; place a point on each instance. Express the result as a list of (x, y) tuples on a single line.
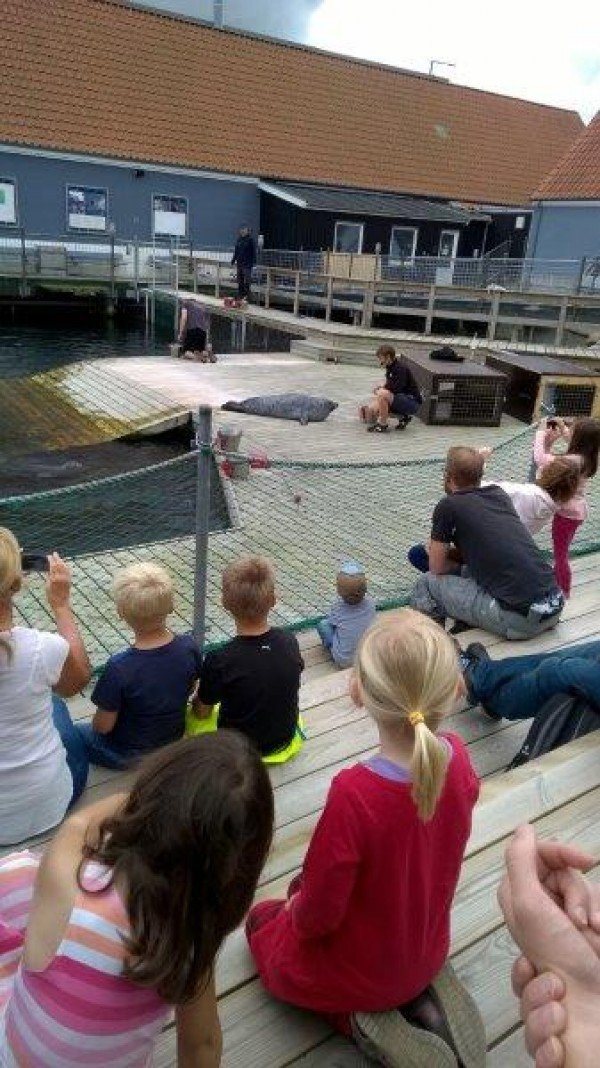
[(58, 582), (553, 914)]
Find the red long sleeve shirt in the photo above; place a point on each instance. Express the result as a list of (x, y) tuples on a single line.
[(370, 926)]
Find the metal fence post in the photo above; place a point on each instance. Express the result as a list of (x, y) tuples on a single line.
[(203, 438), (23, 264), (112, 273)]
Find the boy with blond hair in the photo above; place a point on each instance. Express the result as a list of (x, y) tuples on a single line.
[(349, 617), (141, 695), (254, 678)]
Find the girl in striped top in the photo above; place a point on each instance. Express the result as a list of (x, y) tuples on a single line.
[(124, 914)]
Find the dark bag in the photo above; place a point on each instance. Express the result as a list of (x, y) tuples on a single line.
[(446, 355), (560, 720)]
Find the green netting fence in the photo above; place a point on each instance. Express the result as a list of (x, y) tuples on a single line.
[(307, 517)]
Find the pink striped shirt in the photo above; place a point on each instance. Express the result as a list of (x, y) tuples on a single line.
[(80, 1009)]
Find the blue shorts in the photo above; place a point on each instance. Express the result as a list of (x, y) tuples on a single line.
[(404, 404)]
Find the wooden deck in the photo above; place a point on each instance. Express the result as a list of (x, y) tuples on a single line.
[(560, 793)]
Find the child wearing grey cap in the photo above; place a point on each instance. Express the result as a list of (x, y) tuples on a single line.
[(349, 617)]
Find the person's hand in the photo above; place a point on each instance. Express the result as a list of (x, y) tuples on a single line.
[(553, 914), (58, 583), (485, 452)]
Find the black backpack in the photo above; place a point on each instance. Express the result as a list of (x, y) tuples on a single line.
[(560, 720)]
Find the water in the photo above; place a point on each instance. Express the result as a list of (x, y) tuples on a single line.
[(29, 350), (155, 506)]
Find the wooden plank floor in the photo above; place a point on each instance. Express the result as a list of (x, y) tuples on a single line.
[(341, 437), (562, 798)]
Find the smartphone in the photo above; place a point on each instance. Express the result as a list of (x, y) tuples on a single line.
[(34, 562)]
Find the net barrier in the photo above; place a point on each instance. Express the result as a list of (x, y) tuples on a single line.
[(307, 517)]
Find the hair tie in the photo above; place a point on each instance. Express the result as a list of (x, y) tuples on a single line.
[(414, 718)]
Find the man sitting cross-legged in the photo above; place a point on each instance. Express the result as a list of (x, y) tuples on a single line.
[(505, 586)]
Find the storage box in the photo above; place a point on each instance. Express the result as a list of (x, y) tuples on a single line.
[(457, 394)]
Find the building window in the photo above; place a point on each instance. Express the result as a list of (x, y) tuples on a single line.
[(8, 202), (348, 237), (403, 242), (169, 216), (86, 208)]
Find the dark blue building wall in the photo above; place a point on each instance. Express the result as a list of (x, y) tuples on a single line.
[(216, 207)]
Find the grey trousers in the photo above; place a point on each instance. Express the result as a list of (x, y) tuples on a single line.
[(461, 598)]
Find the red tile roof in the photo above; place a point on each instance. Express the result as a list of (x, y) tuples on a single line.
[(577, 175), (101, 77)]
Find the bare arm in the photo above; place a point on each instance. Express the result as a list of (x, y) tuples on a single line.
[(56, 881), (103, 721), (442, 558), (77, 670), (199, 1038)]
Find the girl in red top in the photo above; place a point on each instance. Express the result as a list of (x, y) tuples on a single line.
[(366, 927)]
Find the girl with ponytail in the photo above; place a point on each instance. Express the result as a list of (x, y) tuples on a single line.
[(364, 935)]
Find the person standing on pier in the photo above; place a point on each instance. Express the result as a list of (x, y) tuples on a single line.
[(244, 257)]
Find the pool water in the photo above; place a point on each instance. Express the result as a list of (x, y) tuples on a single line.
[(157, 505)]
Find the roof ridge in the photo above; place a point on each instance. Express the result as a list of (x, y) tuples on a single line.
[(148, 9)]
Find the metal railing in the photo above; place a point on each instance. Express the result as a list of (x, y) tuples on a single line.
[(112, 259)]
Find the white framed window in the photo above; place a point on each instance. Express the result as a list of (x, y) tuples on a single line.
[(348, 237), (169, 215), (8, 202), (87, 208), (403, 242)]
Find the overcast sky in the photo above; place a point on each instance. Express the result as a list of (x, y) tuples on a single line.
[(528, 48)]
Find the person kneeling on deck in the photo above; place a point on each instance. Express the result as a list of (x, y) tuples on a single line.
[(399, 395), (364, 935), (193, 327), (505, 586), (252, 683), (141, 696)]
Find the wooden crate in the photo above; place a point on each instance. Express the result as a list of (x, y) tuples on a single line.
[(538, 384), (457, 394)]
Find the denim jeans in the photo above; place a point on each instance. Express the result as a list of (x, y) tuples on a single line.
[(100, 751), (518, 686), (77, 758), (325, 632), (459, 596)]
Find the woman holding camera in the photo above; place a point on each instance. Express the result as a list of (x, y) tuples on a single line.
[(43, 764)]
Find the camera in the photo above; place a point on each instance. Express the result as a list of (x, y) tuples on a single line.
[(34, 562)]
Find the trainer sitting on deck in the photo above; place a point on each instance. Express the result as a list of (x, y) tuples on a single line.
[(506, 586), (399, 395)]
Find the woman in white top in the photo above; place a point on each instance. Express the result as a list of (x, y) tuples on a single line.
[(43, 764), (536, 503)]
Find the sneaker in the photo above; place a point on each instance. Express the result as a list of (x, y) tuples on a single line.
[(378, 428), (473, 655), (403, 422)]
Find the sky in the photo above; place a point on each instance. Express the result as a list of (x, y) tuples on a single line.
[(517, 47)]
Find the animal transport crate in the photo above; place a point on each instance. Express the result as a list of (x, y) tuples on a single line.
[(457, 394), (537, 385)]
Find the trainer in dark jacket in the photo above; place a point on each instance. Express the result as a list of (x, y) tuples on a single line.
[(244, 256), (400, 394)]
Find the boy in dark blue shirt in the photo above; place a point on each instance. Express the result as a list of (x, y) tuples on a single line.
[(142, 694)]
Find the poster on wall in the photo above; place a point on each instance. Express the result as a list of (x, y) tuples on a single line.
[(8, 201), (170, 216), (86, 208)]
